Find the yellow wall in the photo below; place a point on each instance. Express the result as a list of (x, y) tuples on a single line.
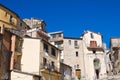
[(5, 18), (46, 75), (50, 58)]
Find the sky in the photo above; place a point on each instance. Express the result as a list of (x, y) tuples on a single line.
[(73, 17)]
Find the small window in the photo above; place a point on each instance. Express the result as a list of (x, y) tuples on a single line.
[(76, 54), (69, 41), (11, 17), (20, 24), (93, 43), (91, 34), (53, 52), (52, 65), (59, 35), (94, 51), (44, 61), (46, 49), (53, 36), (75, 43), (77, 66)]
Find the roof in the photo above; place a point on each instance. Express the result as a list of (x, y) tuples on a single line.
[(13, 31), (72, 38), (115, 38), (55, 32), (90, 31), (65, 64), (13, 13), (9, 10)]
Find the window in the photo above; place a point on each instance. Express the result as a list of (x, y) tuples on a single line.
[(53, 52), (94, 51), (75, 43), (53, 36), (20, 24), (69, 41), (76, 54), (18, 44), (93, 44), (59, 35), (77, 66), (78, 72), (44, 62), (46, 48), (11, 17), (58, 45), (91, 34), (52, 66)]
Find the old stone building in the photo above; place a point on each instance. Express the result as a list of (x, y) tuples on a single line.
[(94, 56), (85, 55), (40, 59), (11, 29), (71, 52), (38, 28), (115, 54), (66, 71)]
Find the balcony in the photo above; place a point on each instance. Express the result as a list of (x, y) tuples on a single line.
[(95, 47), (43, 32), (57, 39), (48, 67)]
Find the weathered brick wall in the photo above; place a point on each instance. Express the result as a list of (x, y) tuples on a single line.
[(5, 55)]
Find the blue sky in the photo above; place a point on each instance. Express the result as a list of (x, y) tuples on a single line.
[(72, 16)]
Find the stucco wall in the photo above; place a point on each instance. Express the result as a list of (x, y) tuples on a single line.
[(89, 56), (70, 58), (31, 53)]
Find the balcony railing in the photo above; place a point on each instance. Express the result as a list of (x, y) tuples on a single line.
[(49, 67), (57, 39), (39, 30), (95, 47)]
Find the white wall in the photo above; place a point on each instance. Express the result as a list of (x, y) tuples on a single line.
[(69, 54), (30, 55), (97, 37), (89, 56)]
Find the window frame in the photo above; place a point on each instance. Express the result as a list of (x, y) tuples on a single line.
[(53, 52), (77, 54), (75, 43)]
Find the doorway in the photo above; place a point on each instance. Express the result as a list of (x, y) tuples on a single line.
[(97, 67)]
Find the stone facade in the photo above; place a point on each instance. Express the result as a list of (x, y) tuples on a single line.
[(115, 54), (66, 72), (39, 58), (94, 56), (72, 54), (85, 55)]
